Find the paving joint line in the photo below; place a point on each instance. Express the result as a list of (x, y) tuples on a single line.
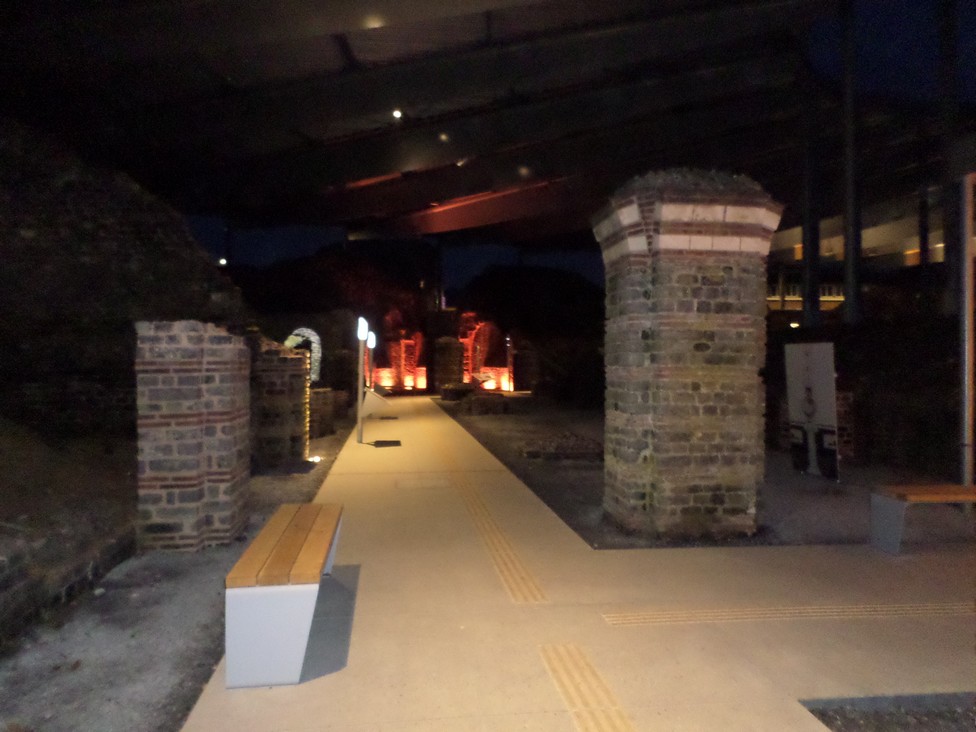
[(813, 612)]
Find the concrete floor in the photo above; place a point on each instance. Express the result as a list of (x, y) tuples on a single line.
[(460, 602)]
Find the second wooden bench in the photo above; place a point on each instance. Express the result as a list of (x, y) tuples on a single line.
[(888, 506)]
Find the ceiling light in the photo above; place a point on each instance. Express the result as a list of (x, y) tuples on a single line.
[(373, 21), (524, 171), (397, 114), (444, 137), (794, 324)]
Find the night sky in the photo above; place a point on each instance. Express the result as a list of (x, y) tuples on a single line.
[(459, 263)]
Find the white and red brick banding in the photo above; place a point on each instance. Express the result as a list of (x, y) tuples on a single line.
[(684, 254), (280, 403), (192, 401)]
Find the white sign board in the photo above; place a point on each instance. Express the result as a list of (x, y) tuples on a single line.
[(812, 399)]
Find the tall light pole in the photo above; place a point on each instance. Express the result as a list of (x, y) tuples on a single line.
[(509, 363), (370, 345), (362, 332)]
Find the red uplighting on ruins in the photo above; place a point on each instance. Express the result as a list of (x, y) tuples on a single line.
[(486, 358)]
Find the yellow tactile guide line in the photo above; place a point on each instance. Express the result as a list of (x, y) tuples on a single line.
[(822, 612), (518, 580), (590, 701), (521, 585)]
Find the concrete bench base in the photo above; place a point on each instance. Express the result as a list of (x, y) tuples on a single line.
[(888, 507), (267, 632), (271, 594)]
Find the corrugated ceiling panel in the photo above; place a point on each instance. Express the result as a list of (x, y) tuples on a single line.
[(392, 43), (264, 63), (510, 24)]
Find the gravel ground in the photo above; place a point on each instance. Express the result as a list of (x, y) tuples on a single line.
[(134, 654), (935, 713)]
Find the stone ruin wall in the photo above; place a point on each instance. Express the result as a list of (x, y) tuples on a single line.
[(280, 403), (684, 253), (193, 406), (86, 252)]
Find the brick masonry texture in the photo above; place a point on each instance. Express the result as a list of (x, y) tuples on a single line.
[(449, 362), (321, 412), (193, 406), (684, 254), (280, 403)]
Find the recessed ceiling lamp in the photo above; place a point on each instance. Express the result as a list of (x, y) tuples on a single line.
[(444, 137), (397, 114), (524, 171), (373, 21)]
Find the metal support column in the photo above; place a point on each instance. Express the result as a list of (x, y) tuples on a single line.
[(924, 256), (949, 114), (852, 203), (811, 215), (967, 301)]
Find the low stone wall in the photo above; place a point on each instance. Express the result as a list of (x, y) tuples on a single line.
[(280, 394), (321, 413), (193, 426), (69, 569), (448, 362)]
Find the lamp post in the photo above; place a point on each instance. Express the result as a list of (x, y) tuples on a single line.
[(370, 345), (362, 331), (509, 364)]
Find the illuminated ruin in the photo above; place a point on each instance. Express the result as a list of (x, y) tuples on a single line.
[(486, 358)]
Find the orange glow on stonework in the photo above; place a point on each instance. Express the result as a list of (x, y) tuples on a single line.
[(476, 337)]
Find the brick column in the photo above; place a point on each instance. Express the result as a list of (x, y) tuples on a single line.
[(192, 399), (449, 361), (684, 253), (321, 412), (280, 393)]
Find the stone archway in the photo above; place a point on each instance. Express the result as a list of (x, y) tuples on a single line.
[(684, 253), (299, 336)]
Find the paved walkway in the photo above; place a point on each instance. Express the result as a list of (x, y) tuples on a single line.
[(460, 602)]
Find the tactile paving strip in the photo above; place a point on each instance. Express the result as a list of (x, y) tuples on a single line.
[(518, 580), (816, 612), (587, 696)]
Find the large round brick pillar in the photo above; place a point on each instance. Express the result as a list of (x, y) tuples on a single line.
[(685, 259)]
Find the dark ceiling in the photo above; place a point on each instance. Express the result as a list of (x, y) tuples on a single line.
[(518, 117)]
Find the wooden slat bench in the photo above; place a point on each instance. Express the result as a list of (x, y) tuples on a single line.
[(888, 505), (271, 592)]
